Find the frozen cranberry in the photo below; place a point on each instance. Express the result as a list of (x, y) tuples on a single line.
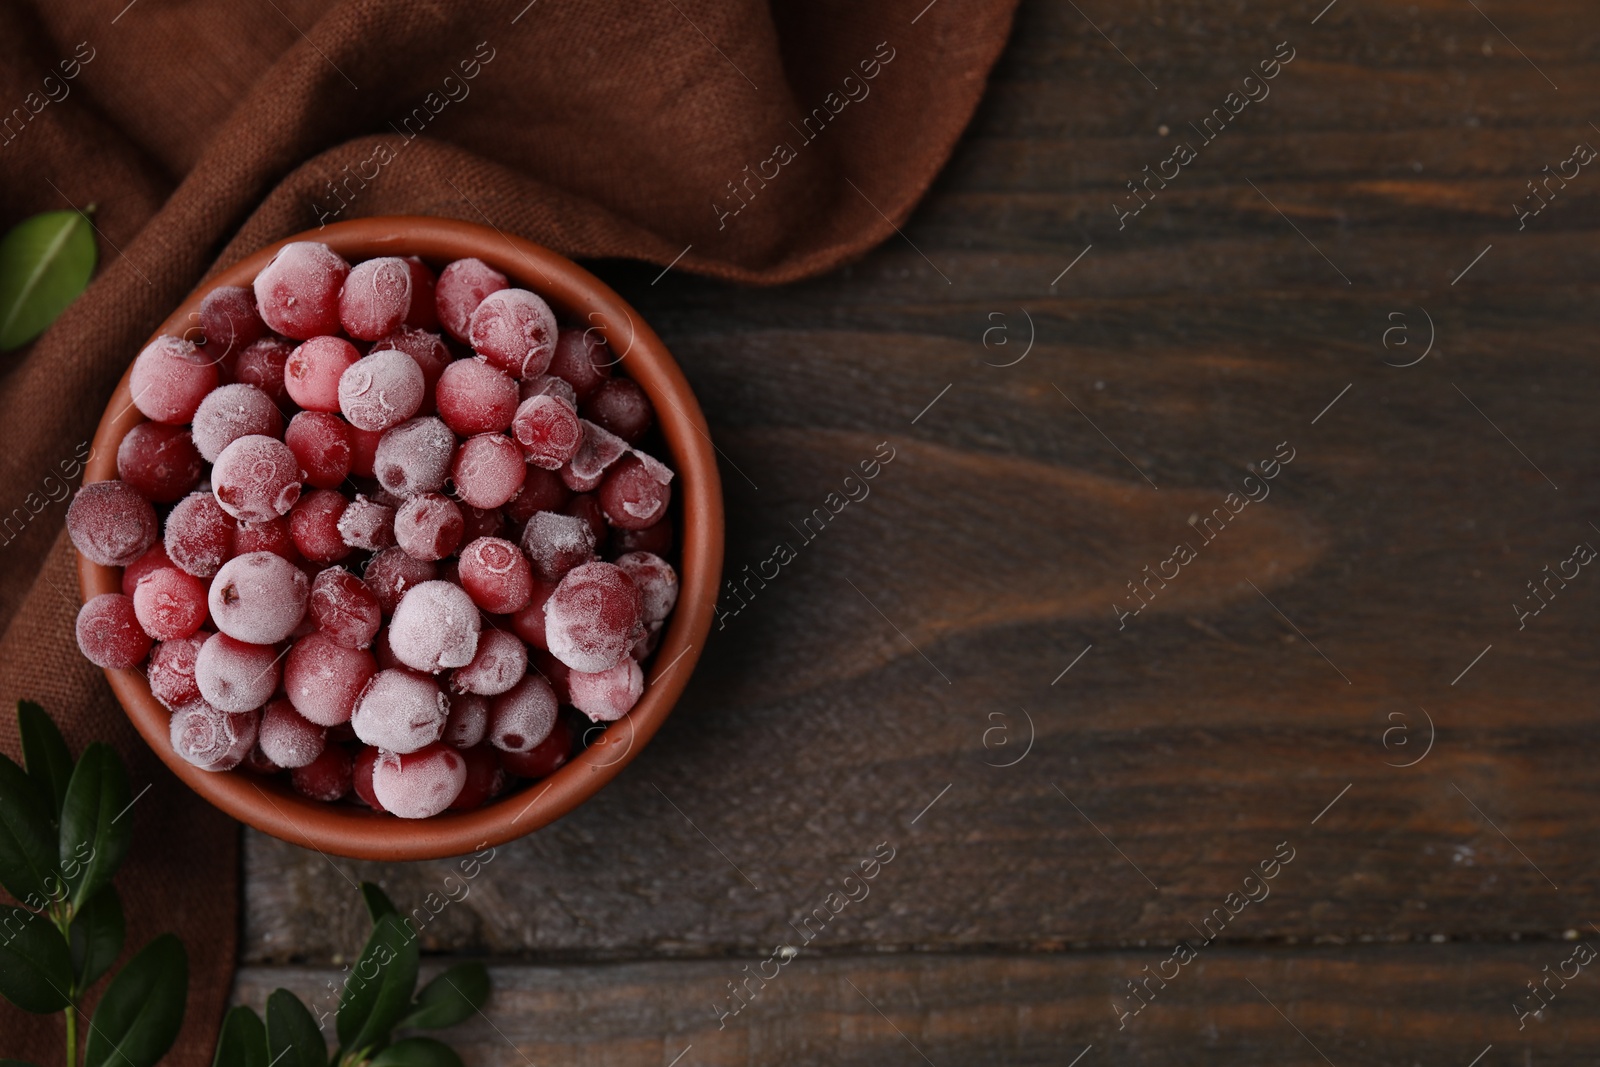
[(375, 298), (210, 738), (414, 457), (545, 758), (646, 645), (484, 778), (499, 663), (259, 598), (581, 360), (620, 405), (154, 558), (381, 390), (323, 678), (657, 539), (297, 294), (435, 626), (468, 723), (528, 620), (109, 633), (496, 575), (548, 385), (256, 478), (488, 470), (428, 526), (516, 331), (557, 543), (170, 603), (111, 524), (461, 288), (394, 572), (171, 671), (553, 671), (542, 490), (631, 497), (367, 524), (427, 349), (424, 314), (199, 535), (385, 655), (160, 461), (548, 430), (474, 397), (270, 536), (607, 695), (361, 775), (312, 373), (326, 778), (401, 711), (593, 617), (236, 676), (232, 412), (599, 450), (481, 522), (587, 507), (344, 608), (262, 365), (418, 784), (657, 582), (523, 716), (229, 320), (320, 442), (287, 738), (314, 525), (169, 379), (364, 451)]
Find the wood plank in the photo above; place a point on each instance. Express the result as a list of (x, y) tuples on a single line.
[(1371, 1005)]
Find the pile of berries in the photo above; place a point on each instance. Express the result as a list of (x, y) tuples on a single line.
[(379, 529)]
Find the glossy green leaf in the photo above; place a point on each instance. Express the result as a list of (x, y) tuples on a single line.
[(293, 1037), (243, 1040), (453, 997), (27, 838), (45, 262), (417, 1052), (139, 1017), (44, 752), (35, 966), (377, 901), (378, 990), (96, 937), (95, 829)]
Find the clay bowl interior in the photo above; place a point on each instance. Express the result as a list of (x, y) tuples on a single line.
[(578, 298)]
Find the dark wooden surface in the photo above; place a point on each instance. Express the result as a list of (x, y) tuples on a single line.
[(1293, 663)]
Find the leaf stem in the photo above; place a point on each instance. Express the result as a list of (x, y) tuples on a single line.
[(72, 1035), (61, 916)]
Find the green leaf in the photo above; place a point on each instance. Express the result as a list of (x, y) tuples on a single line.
[(96, 937), (417, 1052), (45, 262), (35, 966), (27, 853), (452, 997), (378, 990), (94, 832), (291, 1027), (243, 1041), (139, 1017), (44, 752), (378, 902)]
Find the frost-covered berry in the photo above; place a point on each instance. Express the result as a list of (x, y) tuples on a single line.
[(633, 496), (344, 608), (435, 626), (320, 442), (607, 695), (460, 289), (581, 360), (475, 397), (657, 582), (394, 572), (523, 716), (516, 331), (288, 738), (545, 758), (593, 618), (381, 390), (428, 526), (414, 457), (621, 406), (418, 784), (259, 598), (210, 738), (169, 379), (262, 365), (400, 711), (311, 376), (488, 470), (323, 678), (549, 431), (499, 663), (314, 525), (170, 603), (496, 575), (231, 412), (557, 543), (236, 676), (199, 536), (468, 723), (485, 778), (171, 671), (256, 478), (367, 524), (111, 524), (375, 297), (327, 778), (229, 320), (297, 294), (109, 634), (159, 461)]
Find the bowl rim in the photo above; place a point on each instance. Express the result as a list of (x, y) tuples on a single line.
[(577, 296)]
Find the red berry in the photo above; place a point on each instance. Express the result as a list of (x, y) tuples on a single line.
[(620, 405), (586, 506), (368, 525), (516, 331), (481, 522), (259, 598), (484, 778), (435, 626), (312, 373), (160, 461), (314, 525), (657, 582), (599, 450), (657, 539), (468, 723), (361, 774), (553, 671), (171, 671), (270, 536), (400, 711), (542, 490), (154, 558), (418, 784), (375, 298), (461, 288), (488, 470), (169, 379), (393, 572), (557, 543), (229, 320), (262, 364), (500, 662), (170, 603), (320, 442), (427, 349), (523, 716), (548, 385), (344, 608), (210, 738), (323, 678), (594, 617), (496, 575), (581, 360), (235, 676), (256, 478), (424, 314), (199, 535), (232, 412), (297, 294), (549, 431), (111, 524), (474, 397), (109, 634), (381, 390), (631, 497), (364, 451), (607, 695), (545, 758), (429, 526), (287, 738), (327, 778), (414, 457), (528, 620)]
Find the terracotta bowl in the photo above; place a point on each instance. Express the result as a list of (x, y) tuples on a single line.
[(578, 297)]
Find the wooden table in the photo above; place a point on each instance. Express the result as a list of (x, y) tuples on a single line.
[(1321, 411)]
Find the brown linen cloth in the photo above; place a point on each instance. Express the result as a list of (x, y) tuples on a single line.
[(607, 128)]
